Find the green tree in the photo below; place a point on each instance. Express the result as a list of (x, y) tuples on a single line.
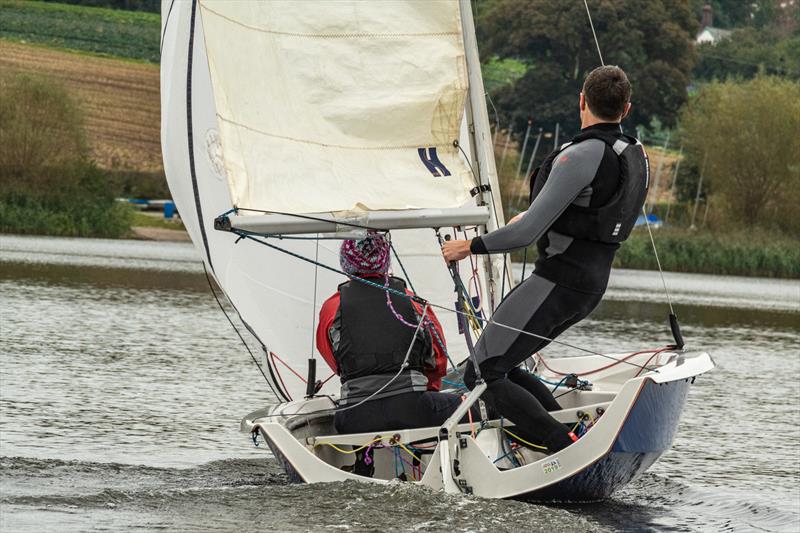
[(747, 135), (651, 39), (749, 51), (736, 13), (40, 127)]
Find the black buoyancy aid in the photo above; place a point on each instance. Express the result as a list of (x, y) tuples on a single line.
[(613, 221), (373, 341)]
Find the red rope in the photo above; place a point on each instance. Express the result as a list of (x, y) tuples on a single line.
[(292, 370), (278, 373), (655, 354), (327, 379), (618, 361)]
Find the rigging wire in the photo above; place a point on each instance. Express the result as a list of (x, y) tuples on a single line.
[(241, 337), (494, 211), (314, 305), (591, 24), (673, 318), (248, 235), (658, 262)]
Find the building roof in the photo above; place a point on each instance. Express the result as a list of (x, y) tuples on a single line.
[(712, 35)]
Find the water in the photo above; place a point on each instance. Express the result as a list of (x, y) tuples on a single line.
[(122, 385)]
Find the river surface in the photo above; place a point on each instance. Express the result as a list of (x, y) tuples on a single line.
[(122, 386)]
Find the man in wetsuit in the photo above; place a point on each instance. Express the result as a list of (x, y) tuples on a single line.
[(586, 197)]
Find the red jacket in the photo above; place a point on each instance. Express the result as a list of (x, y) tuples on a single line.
[(328, 313)]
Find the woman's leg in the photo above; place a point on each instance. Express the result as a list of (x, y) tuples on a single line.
[(383, 414)]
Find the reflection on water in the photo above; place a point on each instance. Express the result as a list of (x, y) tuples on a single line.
[(121, 387)]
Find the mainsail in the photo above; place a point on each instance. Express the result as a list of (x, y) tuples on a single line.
[(341, 107), (356, 104)]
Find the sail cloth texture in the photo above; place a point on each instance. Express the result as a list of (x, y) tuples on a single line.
[(339, 105)]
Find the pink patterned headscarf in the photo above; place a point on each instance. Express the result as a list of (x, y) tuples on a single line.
[(369, 255)]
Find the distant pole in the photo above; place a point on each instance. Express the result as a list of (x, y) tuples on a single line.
[(654, 192), (699, 189), (524, 146), (674, 181), (533, 155), (505, 148), (555, 140), (705, 213)]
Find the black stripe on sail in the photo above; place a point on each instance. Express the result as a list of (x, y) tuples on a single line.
[(199, 209), (166, 23), (190, 135)]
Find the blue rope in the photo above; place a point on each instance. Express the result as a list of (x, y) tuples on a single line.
[(454, 384), (504, 456), (559, 383)]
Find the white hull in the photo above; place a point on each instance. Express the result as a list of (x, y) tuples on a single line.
[(639, 418)]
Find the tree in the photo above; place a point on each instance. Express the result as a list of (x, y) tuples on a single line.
[(41, 128), (772, 49), (747, 135), (651, 39), (48, 184)]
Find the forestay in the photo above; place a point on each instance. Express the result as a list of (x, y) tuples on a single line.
[(304, 107), (339, 105)]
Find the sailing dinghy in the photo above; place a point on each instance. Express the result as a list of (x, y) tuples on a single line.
[(289, 125)]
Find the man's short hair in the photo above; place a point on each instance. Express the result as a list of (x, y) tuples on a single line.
[(607, 90)]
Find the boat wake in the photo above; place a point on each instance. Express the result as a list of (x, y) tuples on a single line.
[(42, 494)]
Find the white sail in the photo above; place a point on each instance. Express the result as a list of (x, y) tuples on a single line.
[(337, 99), (274, 293)]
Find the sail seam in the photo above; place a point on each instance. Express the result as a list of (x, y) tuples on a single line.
[(364, 35), (447, 145)]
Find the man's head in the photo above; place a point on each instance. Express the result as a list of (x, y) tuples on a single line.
[(369, 255), (606, 96)]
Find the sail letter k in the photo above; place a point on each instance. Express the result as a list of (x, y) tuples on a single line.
[(431, 161)]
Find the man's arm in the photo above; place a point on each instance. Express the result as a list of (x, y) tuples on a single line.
[(573, 170)]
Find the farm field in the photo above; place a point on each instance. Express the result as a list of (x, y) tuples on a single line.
[(120, 100), (128, 34)]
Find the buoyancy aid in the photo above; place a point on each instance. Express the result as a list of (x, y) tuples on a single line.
[(613, 221), (373, 341)]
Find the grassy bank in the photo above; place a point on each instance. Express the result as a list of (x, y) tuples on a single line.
[(128, 34), (744, 253), (145, 220), (28, 214)]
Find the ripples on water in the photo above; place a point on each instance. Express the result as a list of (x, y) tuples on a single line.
[(122, 387)]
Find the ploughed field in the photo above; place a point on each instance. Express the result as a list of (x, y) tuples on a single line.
[(119, 93), (120, 100)]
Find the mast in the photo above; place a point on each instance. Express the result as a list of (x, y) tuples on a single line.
[(481, 142)]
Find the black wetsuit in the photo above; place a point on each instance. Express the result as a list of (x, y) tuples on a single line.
[(569, 280)]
